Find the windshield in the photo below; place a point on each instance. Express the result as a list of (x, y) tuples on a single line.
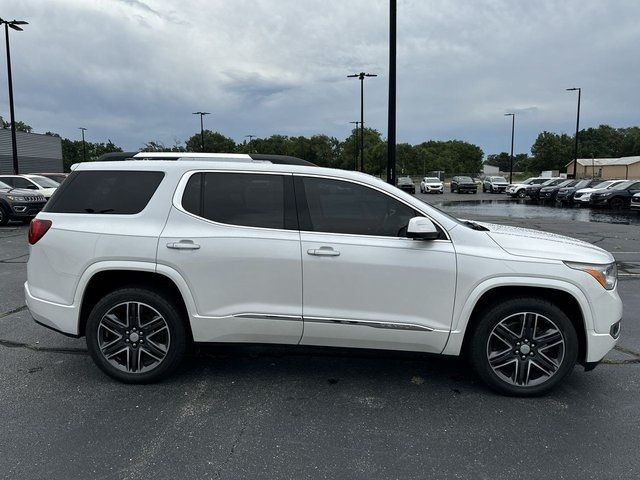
[(404, 180), (551, 182), (465, 179), (582, 184), (4, 185), (44, 182), (499, 179), (566, 183), (432, 179), (623, 185)]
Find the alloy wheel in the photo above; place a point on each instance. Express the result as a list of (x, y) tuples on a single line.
[(134, 337), (525, 349)]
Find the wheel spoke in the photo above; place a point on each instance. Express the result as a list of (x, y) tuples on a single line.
[(113, 348), (504, 334), (113, 323), (529, 324), (549, 340), (154, 326), (522, 372), (500, 359), (133, 359), (133, 314)]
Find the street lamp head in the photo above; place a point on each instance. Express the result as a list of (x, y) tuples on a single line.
[(509, 114), (200, 113), (370, 75), (13, 24), (572, 89), (81, 128)]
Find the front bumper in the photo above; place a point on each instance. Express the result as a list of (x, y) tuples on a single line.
[(63, 318), (21, 210), (408, 189), (430, 189), (466, 188), (635, 205), (498, 188)]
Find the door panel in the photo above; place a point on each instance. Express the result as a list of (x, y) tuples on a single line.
[(404, 287)]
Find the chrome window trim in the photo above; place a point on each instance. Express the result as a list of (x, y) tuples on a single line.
[(372, 324)]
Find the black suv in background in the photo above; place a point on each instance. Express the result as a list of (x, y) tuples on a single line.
[(533, 191), (549, 193), (566, 194), (16, 204), (406, 184), (462, 184), (617, 197)]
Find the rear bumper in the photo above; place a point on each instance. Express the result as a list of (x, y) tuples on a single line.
[(63, 318)]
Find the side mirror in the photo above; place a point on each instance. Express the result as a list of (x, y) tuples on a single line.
[(421, 228)]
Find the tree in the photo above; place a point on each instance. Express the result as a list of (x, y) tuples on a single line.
[(20, 126), (214, 142), (551, 152), (72, 151), (157, 146)]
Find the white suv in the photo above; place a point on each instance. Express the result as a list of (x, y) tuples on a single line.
[(431, 185), (144, 257)]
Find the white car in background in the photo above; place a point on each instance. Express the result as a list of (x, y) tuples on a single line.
[(43, 185), (583, 195), (431, 185), (520, 189), (144, 257)]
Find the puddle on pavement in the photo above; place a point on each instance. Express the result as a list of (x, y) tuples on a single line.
[(522, 209)]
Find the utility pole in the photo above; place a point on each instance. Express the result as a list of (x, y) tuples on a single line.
[(513, 126), (14, 25), (355, 149), (361, 76), (575, 151), (250, 137), (391, 122), (202, 114), (84, 145)]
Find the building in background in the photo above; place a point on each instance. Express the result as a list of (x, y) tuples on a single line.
[(607, 168), (36, 152)]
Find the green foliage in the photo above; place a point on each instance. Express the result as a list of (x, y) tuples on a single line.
[(72, 151), (20, 126), (214, 142), (502, 160), (156, 146)]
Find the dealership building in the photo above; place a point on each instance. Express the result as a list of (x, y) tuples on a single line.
[(36, 152), (607, 168)]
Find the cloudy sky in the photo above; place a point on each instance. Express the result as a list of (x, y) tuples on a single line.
[(134, 70)]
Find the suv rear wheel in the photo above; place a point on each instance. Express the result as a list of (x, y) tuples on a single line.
[(135, 335), (523, 347)]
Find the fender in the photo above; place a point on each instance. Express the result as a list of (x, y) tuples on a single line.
[(168, 272), (463, 315)]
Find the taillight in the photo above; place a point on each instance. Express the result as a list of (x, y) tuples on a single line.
[(37, 229)]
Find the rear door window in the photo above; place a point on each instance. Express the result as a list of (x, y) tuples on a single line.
[(245, 199), (110, 192)]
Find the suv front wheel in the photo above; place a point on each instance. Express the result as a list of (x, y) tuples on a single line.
[(135, 335), (523, 346)]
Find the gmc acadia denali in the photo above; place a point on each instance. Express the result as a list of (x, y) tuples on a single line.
[(144, 257)]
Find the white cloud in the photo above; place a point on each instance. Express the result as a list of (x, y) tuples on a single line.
[(134, 70)]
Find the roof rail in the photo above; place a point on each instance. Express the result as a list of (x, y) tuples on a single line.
[(231, 157)]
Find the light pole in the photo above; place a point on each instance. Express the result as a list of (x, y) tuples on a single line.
[(202, 114), (13, 24), (355, 149), (84, 145), (391, 121), (250, 137), (513, 129), (575, 151), (361, 76)]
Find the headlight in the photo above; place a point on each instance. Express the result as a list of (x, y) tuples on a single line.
[(15, 198), (606, 275)]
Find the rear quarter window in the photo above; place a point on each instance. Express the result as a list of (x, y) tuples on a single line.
[(109, 192)]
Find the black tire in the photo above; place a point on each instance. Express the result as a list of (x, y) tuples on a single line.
[(177, 335), (4, 216), (521, 193), (482, 334), (616, 203)]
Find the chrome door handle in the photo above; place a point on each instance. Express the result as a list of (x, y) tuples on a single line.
[(323, 252), (183, 245)]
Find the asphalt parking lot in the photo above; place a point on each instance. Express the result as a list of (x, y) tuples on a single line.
[(284, 412)]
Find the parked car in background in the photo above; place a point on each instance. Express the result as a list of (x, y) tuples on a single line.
[(463, 184), (635, 202), (42, 185), (431, 185), (533, 191), (583, 195), (56, 177), (548, 193), (406, 184), (144, 257), (616, 197), (18, 204), (495, 185), (565, 194), (520, 189)]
